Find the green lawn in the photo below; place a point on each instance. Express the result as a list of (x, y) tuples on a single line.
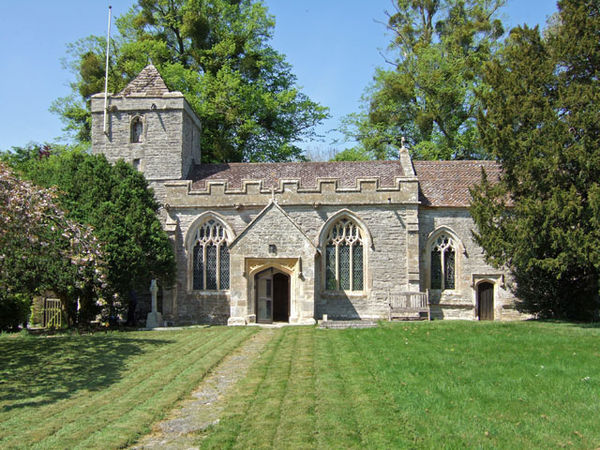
[(430, 384), (100, 391), (438, 384)]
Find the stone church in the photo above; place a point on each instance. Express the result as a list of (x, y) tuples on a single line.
[(301, 241)]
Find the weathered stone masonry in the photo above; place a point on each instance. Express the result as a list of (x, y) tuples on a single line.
[(303, 240)]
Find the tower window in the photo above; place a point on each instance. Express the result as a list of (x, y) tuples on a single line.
[(137, 129)]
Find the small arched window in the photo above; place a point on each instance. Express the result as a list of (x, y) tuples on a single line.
[(344, 268), (210, 265), (137, 129), (443, 262)]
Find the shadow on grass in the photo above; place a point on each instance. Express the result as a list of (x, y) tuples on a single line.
[(46, 370), (567, 323)]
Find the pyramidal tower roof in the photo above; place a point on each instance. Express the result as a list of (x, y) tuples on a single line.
[(148, 83)]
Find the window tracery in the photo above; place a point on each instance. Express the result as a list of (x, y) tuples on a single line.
[(344, 267), (210, 265), (443, 262)]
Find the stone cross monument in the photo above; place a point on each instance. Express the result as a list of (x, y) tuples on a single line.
[(154, 318)]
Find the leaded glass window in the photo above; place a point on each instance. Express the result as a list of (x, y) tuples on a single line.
[(344, 257), (210, 265), (443, 263)]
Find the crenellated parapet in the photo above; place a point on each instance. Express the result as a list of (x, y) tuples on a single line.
[(326, 191)]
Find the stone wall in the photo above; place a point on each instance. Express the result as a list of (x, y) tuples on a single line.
[(297, 236), (170, 139), (471, 268)]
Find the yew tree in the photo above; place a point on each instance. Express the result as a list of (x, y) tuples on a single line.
[(541, 120), (217, 53)]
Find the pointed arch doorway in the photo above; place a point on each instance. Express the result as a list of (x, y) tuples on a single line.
[(272, 296)]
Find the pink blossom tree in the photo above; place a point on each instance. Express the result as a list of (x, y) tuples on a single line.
[(41, 249)]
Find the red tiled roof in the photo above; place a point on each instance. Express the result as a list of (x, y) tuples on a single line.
[(306, 173), (447, 183), (148, 83)]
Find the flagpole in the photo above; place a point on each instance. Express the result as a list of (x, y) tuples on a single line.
[(106, 73)]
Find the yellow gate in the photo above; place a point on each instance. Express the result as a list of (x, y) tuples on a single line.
[(52, 313)]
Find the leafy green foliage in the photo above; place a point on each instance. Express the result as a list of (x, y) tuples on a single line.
[(41, 248), (116, 201), (354, 154), (216, 53), (429, 96), (542, 121)]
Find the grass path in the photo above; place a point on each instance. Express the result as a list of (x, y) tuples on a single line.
[(101, 391), (207, 402)]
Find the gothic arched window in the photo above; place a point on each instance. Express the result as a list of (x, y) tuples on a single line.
[(443, 262), (137, 128), (210, 264), (344, 268)]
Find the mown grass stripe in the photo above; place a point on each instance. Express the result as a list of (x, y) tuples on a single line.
[(226, 433), (263, 416), (141, 365), (40, 429), (363, 389), (336, 420), (125, 429), (393, 425), (297, 412), (79, 428)]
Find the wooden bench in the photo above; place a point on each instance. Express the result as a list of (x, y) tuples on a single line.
[(409, 306)]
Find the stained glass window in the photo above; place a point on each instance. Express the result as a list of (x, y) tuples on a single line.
[(210, 257), (344, 257), (443, 263)]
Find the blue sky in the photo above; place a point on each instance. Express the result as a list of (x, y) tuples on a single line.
[(333, 45)]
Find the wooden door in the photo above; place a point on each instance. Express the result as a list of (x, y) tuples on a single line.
[(264, 298), (485, 301)]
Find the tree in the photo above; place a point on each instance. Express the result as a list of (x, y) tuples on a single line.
[(428, 97), (541, 120), (214, 51), (41, 249), (117, 202)]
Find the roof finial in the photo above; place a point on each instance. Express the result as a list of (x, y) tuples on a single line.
[(403, 148)]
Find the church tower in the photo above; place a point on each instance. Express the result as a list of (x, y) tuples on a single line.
[(148, 126)]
